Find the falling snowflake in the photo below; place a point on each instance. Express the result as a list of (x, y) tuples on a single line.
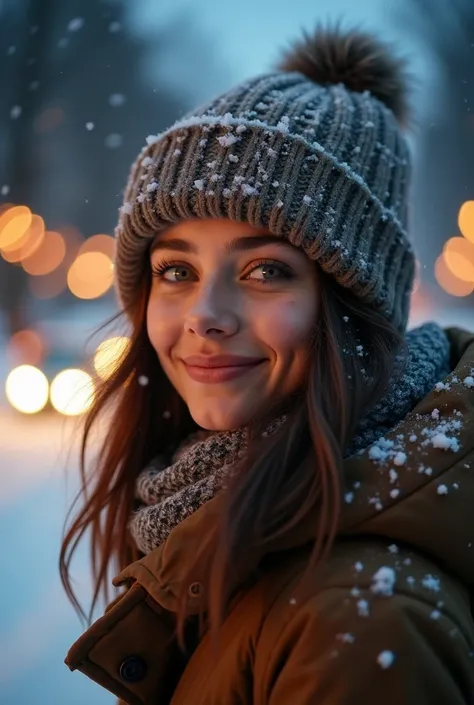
[(385, 659), (15, 112), (5, 190), (442, 489), (143, 380), (114, 27), (90, 126), (346, 638), (113, 140), (116, 100), (76, 24)]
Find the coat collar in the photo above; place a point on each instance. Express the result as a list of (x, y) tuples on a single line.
[(416, 486)]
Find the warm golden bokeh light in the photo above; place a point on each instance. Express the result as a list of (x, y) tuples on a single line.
[(108, 355), (13, 224), (449, 281), (48, 256), (90, 275), (28, 244), (466, 220), (99, 243), (459, 258), (72, 392), (27, 389), (26, 347)]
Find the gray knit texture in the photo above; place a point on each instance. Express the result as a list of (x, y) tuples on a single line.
[(323, 166), (169, 494)]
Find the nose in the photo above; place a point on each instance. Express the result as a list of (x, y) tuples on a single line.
[(213, 314)]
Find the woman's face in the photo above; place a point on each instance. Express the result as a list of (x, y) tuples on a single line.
[(230, 313)]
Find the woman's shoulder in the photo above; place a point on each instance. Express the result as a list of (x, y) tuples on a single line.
[(460, 340), (373, 605)]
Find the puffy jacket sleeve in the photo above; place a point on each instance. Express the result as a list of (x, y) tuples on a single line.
[(392, 650)]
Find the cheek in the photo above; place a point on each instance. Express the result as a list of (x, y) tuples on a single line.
[(162, 325), (289, 327)]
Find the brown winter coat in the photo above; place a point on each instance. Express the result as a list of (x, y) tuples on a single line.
[(342, 643)]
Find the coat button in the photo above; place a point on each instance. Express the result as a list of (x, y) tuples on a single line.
[(195, 590), (133, 669)]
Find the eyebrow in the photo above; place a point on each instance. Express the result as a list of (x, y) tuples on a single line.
[(238, 244)]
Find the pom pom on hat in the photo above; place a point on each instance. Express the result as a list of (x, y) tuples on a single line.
[(354, 58)]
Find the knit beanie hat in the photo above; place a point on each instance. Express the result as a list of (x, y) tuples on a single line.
[(313, 152)]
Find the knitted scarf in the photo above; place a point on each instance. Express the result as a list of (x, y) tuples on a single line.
[(199, 467)]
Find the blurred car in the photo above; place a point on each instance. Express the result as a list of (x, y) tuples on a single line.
[(52, 368)]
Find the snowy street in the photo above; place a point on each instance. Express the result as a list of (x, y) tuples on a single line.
[(39, 624)]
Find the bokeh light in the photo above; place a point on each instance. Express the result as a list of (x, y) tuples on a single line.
[(466, 220), (99, 243), (26, 347), (449, 281), (26, 389), (72, 392), (90, 275), (458, 255), (14, 222), (108, 355), (48, 256), (28, 243)]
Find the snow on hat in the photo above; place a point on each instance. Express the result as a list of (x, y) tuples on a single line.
[(314, 152)]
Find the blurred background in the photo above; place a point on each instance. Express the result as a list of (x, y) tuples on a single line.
[(83, 83)]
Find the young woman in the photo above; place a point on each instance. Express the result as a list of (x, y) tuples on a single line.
[(286, 480)]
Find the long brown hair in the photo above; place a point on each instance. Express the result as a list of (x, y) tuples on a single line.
[(283, 477)]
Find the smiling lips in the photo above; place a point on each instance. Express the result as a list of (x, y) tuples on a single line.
[(212, 369)]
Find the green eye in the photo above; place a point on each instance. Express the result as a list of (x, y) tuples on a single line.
[(270, 271)]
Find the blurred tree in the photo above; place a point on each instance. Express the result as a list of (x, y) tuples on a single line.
[(445, 169), (24, 53), (88, 106)]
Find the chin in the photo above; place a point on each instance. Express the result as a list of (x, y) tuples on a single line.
[(220, 420)]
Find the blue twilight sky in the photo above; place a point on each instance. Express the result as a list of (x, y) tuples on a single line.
[(246, 35)]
